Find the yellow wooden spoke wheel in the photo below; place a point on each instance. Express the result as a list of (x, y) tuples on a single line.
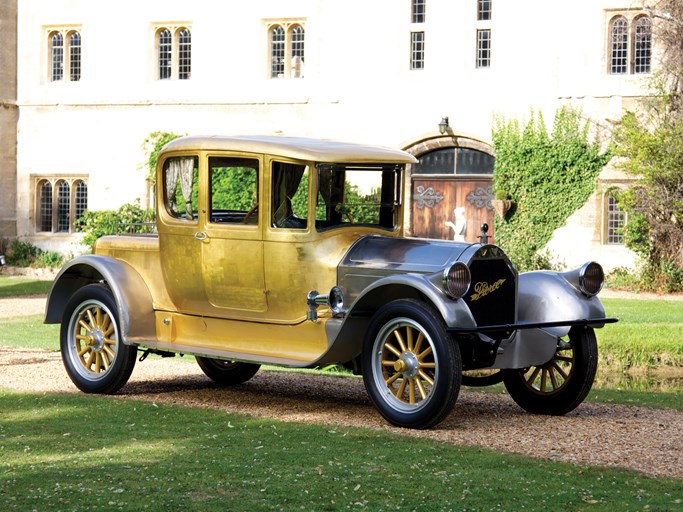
[(411, 367), (93, 353), (561, 384)]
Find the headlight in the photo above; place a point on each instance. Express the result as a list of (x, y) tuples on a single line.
[(456, 280), (591, 278)]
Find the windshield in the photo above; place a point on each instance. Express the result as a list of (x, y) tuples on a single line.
[(357, 194)]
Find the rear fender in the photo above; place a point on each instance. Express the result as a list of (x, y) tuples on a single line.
[(133, 299)]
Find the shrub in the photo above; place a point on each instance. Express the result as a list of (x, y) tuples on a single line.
[(129, 218), (25, 254), (22, 254)]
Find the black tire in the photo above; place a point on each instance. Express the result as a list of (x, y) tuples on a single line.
[(411, 367), (561, 384), (227, 373), (93, 352)]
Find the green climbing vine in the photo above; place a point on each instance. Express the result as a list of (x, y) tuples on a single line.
[(547, 176)]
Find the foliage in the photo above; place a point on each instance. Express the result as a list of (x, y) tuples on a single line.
[(232, 188), (22, 254), (356, 205), (129, 218), (547, 176), (149, 456), (25, 254), (651, 146), (649, 142), (152, 146)]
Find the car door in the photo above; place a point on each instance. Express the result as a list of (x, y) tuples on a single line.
[(231, 239)]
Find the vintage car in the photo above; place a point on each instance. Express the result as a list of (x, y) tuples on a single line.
[(250, 229)]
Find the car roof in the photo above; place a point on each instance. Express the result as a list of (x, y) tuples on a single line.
[(300, 148)]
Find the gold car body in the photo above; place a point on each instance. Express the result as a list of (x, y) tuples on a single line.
[(230, 290)]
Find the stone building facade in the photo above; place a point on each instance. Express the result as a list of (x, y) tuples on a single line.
[(82, 87), (9, 117)]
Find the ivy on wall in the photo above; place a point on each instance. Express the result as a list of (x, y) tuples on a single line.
[(547, 176)]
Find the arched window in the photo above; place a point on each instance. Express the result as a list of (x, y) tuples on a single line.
[(63, 206), (59, 202), (165, 49), (64, 55), (174, 53), (642, 45), (57, 56), (81, 199), (75, 56), (297, 60), (619, 46), (615, 218), (277, 52), (184, 54), (44, 206)]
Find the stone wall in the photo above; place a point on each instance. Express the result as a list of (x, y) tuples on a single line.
[(9, 116)]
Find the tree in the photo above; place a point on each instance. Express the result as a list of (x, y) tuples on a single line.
[(649, 142)]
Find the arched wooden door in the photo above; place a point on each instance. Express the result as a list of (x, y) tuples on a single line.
[(451, 193)]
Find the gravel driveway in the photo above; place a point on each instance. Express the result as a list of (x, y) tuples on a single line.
[(636, 438)]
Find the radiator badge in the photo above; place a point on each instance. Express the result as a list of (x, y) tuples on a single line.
[(483, 288)]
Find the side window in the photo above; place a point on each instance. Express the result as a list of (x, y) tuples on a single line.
[(290, 196), (234, 190), (181, 175)]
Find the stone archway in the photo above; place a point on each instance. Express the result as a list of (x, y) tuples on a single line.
[(452, 185)]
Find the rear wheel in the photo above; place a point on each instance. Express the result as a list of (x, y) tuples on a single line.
[(227, 373), (411, 367), (93, 352), (560, 385)]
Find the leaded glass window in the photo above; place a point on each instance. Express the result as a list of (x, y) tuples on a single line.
[(63, 207), (484, 9), (184, 54), (80, 199), (45, 206), (616, 219), (57, 56), (75, 57), (417, 50), (277, 52), (642, 45), (484, 48), (419, 11), (619, 46), (165, 48)]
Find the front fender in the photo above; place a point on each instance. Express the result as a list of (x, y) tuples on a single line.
[(545, 296), (345, 336), (133, 299)]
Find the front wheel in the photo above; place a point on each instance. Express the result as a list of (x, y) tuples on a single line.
[(411, 367), (227, 373), (560, 385), (93, 352)]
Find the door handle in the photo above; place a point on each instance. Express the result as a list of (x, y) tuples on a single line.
[(200, 235)]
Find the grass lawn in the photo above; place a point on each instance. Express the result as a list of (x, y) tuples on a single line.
[(77, 452), (13, 286)]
